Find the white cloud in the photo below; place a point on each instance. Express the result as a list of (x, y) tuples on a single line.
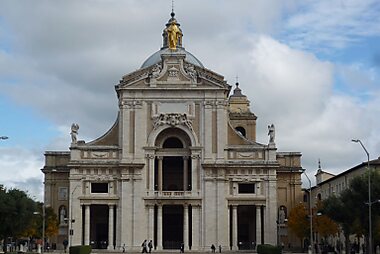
[(294, 90), (327, 24), (20, 168)]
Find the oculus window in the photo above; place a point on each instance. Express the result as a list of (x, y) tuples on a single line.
[(246, 188), (241, 130), (99, 187)]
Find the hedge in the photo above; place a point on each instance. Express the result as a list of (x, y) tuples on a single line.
[(80, 249), (268, 249)]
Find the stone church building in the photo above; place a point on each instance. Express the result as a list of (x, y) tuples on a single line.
[(180, 165)]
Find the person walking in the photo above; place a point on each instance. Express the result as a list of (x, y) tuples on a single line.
[(182, 248), (144, 246), (150, 246), (212, 248)]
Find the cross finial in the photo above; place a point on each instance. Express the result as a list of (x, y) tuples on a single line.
[(237, 79), (172, 6), (319, 164)]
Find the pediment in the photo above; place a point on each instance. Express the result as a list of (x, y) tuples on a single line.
[(173, 72)]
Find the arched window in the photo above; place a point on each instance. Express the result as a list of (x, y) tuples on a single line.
[(319, 196), (172, 142), (241, 130)]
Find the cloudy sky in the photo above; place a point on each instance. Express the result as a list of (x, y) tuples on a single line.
[(310, 67)]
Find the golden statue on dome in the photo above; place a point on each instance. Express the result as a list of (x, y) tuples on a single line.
[(174, 34)]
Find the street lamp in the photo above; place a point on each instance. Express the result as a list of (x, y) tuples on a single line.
[(43, 226), (310, 214), (369, 198)]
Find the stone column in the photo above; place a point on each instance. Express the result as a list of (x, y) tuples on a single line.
[(110, 227), (150, 222), (151, 172), (186, 226), (159, 180), (195, 233), (87, 224), (194, 173), (159, 227), (234, 228), (185, 173), (258, 225)]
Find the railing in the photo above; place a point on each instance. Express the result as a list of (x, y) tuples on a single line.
[(173, 194)]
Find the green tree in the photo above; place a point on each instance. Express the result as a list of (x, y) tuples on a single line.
[(350, 208), (16, 212)]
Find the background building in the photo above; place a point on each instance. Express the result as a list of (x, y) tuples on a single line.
[(328, 184), (181, 164)]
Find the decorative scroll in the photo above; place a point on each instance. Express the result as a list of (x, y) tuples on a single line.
[(172, 119)]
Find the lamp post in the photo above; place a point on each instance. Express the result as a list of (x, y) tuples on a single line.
[(369, 198), (311, 216), (43, 226)]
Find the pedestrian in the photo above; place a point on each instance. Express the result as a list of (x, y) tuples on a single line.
[(212, 248), (150, 246), (182, 248), (220, 248), (65, 243), (123, 247), (144, 246)]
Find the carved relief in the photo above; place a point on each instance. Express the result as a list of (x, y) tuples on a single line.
[(99, 154), (173, 72), (245, 155), (172, 119), (131, 104), (189, 69), (156, 70)]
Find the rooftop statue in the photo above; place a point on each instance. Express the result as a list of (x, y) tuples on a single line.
[(74, 133), (173, 35), (271, 133)]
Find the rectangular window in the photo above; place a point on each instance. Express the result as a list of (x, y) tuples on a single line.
[(62, 193), (99, 187), (246, 188)]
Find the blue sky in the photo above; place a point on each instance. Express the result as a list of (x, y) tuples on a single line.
[(310, 67)]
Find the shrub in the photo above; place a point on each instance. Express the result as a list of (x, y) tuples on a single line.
[(268, 249), (80, 249)]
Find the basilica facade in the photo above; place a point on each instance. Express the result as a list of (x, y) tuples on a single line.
[(180, 166)]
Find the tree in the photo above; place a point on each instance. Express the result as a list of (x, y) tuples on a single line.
[(350, 208), (52, 223), (298, 221), (16, 212), (34, 229), (323, 224)]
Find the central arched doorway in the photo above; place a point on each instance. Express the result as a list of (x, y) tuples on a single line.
[(172, 175), (172, 163)]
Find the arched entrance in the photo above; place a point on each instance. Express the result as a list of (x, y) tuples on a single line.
[(172, 176), (172, 165)]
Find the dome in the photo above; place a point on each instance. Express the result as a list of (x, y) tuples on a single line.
[(171, 49), (156, 57)]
